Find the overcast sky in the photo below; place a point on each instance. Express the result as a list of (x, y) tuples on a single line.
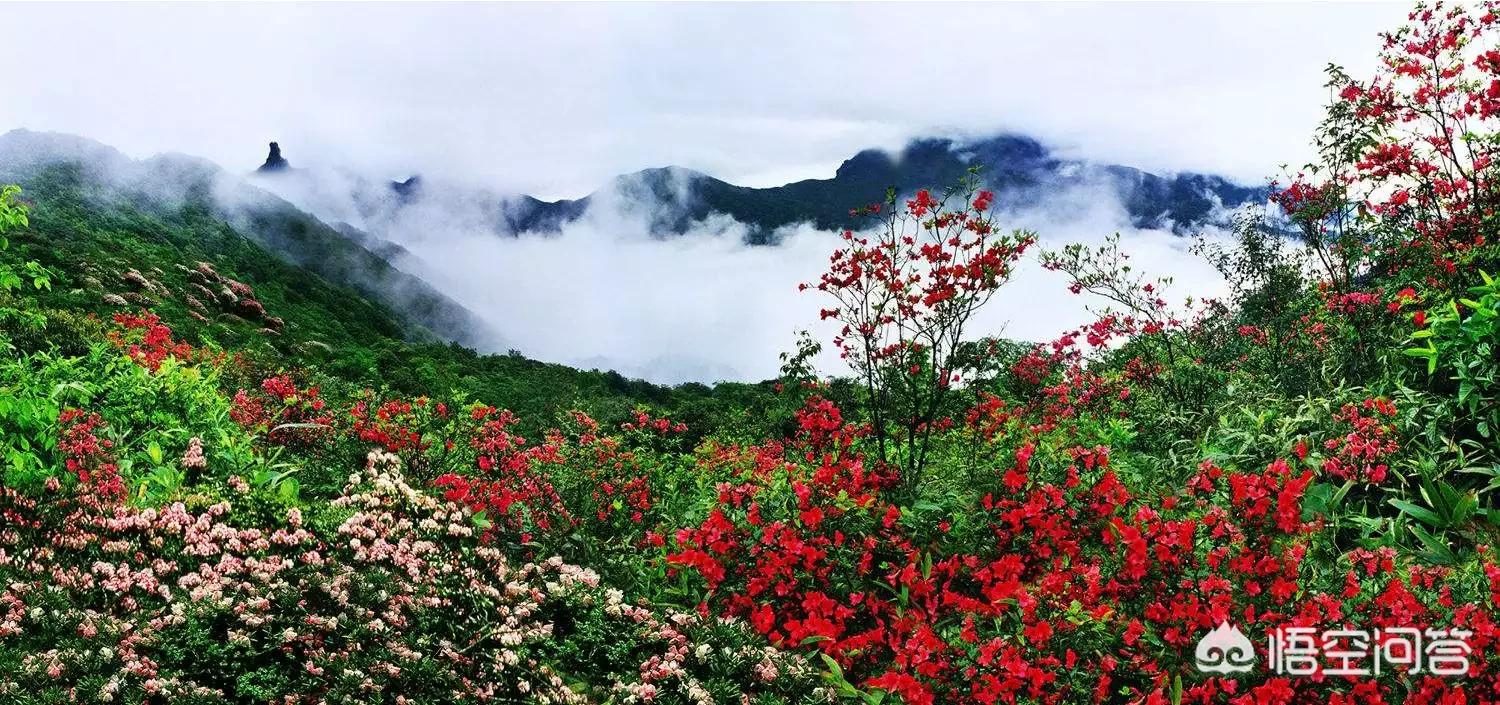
[(554, 98)]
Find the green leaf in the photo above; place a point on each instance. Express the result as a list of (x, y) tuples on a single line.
[(288, 490), (833, 666), (1439, 551), (1465, 507), (1426, 516)]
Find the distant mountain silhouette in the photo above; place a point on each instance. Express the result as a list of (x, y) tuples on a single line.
[(274, 161), (1022, 172), (1019, 169), (408, 189)]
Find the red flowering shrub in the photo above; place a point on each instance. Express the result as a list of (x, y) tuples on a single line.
[(87, 456), (147, 341), (646, 424), (519, 503), (794, 533), (904, 293), (582, 492), (396, 424), (1359, 454), (1062, 566), (616, 474), (1413, 145), (1165, 342), (286, 414)]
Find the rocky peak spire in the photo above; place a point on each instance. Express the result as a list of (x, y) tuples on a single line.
[(274, 160)]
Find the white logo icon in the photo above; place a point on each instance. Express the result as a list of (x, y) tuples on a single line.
[(1225, 650)]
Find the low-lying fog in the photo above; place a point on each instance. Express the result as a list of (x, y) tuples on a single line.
[(608, 292)]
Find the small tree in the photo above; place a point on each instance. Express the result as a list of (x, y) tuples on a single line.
[(1405, 182), (15, 275), (905, 292), (12, 211), (1137, 303)]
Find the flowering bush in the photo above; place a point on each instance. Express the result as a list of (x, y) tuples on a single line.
[(282, 411), (1413, 145), (393, 424), (87, 456), (147, 341), (518, 502), (393, 603), (1062, 563), (904, 293), (1358, 455)]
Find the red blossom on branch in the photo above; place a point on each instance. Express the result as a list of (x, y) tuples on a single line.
[(87, 455)]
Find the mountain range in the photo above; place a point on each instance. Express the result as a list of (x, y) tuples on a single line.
[(349, 245), (1021, 170)]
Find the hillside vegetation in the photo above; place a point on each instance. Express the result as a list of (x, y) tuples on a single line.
[(241, 286), (227, 480)]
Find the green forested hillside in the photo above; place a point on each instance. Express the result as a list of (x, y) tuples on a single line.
[(112, 251)]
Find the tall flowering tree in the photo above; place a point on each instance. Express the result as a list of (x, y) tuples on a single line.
[(905, 291), (1406, 179)]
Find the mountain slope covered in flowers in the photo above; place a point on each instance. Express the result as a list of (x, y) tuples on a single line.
[(202, 504)]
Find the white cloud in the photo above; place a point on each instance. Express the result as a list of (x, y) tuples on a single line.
[(610, 292), (553, 99)]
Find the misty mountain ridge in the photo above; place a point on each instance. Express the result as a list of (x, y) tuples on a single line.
[(448, 223), (1022, 172), (395, 242), (168, 183), (1019, 169)]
